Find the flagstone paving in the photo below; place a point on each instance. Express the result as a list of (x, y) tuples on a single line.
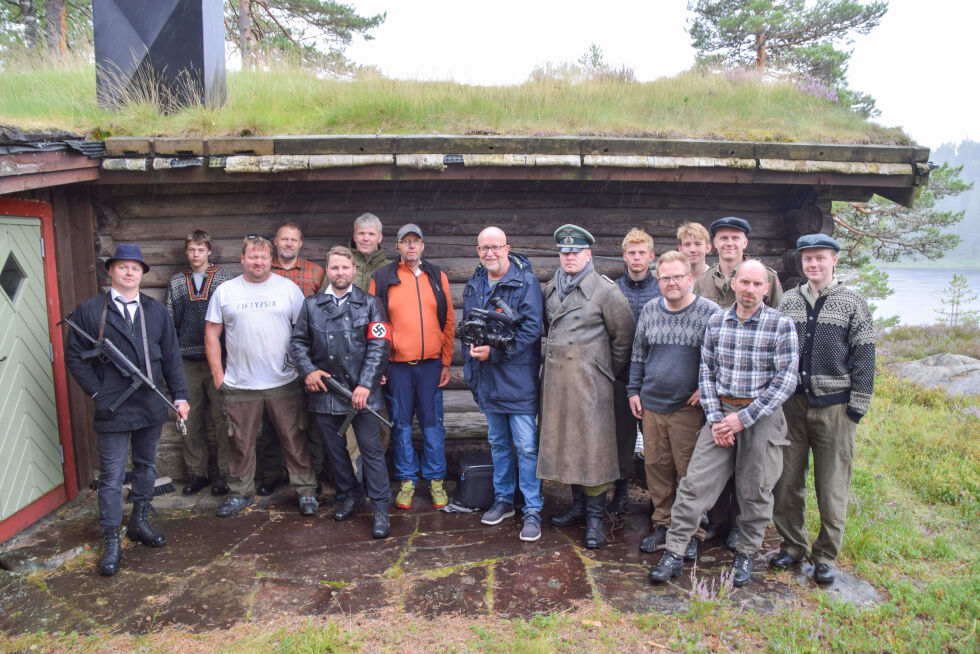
[(214, 573)]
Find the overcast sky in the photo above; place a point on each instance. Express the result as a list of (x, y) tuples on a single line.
[(920, 63)]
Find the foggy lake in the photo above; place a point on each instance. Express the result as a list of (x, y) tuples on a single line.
[(918, 293)]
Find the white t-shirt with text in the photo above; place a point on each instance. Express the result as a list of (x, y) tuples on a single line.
[(257, 319)]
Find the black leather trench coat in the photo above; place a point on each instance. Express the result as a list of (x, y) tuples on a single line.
[(336, 340)]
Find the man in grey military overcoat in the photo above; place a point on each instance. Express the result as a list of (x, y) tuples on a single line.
[(590, 328)]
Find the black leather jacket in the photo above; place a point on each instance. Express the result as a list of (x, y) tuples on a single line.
[(336, 340)]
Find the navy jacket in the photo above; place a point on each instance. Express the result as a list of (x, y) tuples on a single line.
[(143, 408), (507, 383), (336, 340)]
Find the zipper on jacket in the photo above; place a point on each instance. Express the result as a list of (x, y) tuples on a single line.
[(418, 294)]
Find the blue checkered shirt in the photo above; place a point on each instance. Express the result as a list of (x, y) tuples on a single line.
[(757, 359)]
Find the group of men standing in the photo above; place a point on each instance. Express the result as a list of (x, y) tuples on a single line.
[(728, 391)]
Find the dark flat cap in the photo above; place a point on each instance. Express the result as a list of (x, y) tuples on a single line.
[(572, 238), (730, 221), (129, 252), (817, 241)]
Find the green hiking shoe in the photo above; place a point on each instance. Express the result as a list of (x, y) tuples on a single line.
[(404, 498), (439, 497)]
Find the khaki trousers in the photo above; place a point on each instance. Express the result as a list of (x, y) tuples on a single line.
[(757, 461), (204, 399), (668, 443), (286, 406), (829, 434)]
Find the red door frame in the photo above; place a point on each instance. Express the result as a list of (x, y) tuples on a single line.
[(69, 489)]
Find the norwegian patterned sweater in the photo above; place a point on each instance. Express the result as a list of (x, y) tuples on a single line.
[(188, 306), (837, 348)]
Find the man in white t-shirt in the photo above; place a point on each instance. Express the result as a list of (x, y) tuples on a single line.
[(256, 312)]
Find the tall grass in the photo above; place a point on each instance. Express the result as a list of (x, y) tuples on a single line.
[(290, 100)]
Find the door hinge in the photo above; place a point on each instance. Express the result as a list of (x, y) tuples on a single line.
[(42, 247), (61, 451), (51, 352)]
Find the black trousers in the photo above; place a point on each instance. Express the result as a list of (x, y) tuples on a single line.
[(372, 455), (113, 448)]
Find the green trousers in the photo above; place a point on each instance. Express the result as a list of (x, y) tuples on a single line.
[(829, 434)]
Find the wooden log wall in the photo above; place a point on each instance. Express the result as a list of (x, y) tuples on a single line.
[(451, 214)]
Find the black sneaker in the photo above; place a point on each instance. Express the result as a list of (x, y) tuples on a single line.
[(234, 505), (670, 565)]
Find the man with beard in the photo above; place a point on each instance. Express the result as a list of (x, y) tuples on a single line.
[(748, 369), (342, 333), (590, 333), (137, 325), (256, 312), (730, 237)]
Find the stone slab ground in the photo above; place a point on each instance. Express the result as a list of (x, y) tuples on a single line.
[(270, 562)]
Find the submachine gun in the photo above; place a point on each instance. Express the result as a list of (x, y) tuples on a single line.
[(342, 390), (493, 327), (107, 352)]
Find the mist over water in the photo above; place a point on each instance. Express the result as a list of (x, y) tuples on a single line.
[(918, 293)]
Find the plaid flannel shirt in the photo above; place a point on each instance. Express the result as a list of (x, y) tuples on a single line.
[(305, 274), (756, 359)]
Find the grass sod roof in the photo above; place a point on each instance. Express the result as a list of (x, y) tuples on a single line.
[(293, 101)]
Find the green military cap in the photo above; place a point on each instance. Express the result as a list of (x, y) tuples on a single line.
[(572, 238), (816, 241)]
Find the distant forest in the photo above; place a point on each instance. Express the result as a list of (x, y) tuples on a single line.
[(966, 154)]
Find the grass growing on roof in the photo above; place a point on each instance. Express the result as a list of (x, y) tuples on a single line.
[(290, 100)]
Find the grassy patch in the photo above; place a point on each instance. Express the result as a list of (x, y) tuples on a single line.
[(912, 342), (288, 100)]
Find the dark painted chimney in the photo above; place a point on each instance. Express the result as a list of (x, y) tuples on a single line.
[(171, 52)]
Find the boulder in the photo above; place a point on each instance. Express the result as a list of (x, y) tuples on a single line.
[(954, 373)]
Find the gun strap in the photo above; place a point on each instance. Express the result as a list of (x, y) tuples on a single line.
[(146, 347)]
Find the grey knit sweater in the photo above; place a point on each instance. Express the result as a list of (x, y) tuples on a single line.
[(837, 348)]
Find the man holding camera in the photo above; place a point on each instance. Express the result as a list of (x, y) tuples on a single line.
[(503, 375)]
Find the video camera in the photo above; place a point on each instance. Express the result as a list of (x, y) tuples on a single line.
[(490, 327)]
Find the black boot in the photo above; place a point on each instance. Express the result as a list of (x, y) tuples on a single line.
[(595, 509), (382, 525), (620, 502), (576, 514), (109, 565), (140, 529)]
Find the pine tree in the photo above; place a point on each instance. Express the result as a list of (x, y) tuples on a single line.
[(956, 297)]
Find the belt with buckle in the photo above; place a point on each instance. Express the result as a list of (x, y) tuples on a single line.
[(738, 401)]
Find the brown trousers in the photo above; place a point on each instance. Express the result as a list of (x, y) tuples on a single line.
[(285, 406), (668, 442)]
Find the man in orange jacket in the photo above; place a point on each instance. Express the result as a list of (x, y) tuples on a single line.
[(415, 294)]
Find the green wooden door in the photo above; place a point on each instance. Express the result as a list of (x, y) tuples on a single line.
[(30, 450)]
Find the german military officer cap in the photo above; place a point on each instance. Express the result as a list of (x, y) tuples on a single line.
[(816, 241), (730, 221), (572, 238)]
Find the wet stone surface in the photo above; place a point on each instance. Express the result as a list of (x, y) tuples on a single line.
[(270, 561)]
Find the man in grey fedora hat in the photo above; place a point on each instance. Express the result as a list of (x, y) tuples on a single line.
[(141, 329)]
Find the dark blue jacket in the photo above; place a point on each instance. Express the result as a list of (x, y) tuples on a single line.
[(639, 293), (507, 383), (336, 340), (143, 408)]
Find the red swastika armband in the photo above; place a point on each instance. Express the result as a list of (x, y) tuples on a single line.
[(379, 330)]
